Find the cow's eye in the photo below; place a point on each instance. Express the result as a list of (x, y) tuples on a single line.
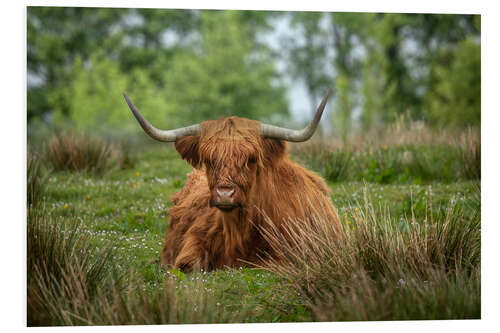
[(252, 160)]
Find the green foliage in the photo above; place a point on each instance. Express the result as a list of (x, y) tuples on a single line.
[(56, 37), (219, 72), (456, 100), (95, 102), (222, 77), (344, 106), (403, 63), (308, 57), (184, 65)]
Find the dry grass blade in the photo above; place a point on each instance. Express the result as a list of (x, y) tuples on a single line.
[(379, 270)]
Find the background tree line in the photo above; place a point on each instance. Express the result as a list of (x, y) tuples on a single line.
[(184, 66)]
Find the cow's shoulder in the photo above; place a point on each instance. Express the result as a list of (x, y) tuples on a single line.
[(195, 192)]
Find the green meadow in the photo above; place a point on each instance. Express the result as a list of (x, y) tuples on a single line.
[(411, 248)]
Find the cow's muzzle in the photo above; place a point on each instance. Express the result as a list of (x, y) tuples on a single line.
[(224, 198)]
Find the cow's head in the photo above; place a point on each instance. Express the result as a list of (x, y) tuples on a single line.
[(232, 151)]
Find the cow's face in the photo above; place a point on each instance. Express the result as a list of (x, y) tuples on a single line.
[(232, 153)]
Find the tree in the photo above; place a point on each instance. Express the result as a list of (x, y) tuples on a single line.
[(456, 99), (223, 77), (153, 37), (95, 100), (307, 54), (347, 36), (56, 36)]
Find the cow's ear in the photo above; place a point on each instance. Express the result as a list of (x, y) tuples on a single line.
[(273, 149), (188, 148)]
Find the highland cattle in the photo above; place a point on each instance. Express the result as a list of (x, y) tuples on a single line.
[(243, 179)]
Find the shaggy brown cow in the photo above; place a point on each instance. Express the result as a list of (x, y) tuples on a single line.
[(242, 179)]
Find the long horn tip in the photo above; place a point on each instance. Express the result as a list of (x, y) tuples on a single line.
[(328, 93)]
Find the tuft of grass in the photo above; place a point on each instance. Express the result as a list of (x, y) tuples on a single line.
[(70, 282), (400, 154), (420, 268), (62, 271), (171, 303), (409, 164), (333, 164), (35, 180), (470, 144), (126, 159), (76, 152)]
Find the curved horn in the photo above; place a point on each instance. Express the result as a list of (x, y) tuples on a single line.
[(275, 132), (160, 135)]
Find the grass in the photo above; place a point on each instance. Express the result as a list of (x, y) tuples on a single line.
[(419, 268), (35, 179), (410, 251), (405, 163), (77, 152)]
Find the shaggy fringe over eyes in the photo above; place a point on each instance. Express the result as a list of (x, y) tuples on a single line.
[(235, 144), (239, 141)]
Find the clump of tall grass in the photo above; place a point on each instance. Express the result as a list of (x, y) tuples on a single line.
[(171, 303), (396, 156), (63, 271), (379, 270), (71, 283), (76, 152), (470, 144), (126, 157), (35, 180), (385, 164)]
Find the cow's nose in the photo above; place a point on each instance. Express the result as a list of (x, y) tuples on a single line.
[(224, 198), (225, 193)]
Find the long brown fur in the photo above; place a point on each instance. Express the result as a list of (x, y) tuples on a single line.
[(230, 151)]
